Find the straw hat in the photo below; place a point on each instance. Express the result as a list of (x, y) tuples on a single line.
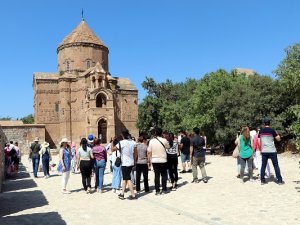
[(45, 145), (64, 140)]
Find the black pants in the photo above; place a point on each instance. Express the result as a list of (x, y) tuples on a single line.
[(160, 170), (142, 168), (86, 170), (172, 165)]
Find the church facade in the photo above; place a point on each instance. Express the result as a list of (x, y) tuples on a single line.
[(83, 98)]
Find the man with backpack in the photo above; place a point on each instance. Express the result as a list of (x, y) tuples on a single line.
[(35, 156)]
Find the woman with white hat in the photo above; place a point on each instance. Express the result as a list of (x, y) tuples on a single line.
[(46, 158), (65, 160)]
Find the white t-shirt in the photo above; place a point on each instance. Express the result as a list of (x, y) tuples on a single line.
[(157, 146), (253, 133), (108, 150), (127, 150)]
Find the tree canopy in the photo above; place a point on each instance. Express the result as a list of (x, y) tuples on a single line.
[(221, 102), (29, 119)]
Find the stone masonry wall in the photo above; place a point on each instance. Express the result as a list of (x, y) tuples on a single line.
[(2, 143), (24, 135)]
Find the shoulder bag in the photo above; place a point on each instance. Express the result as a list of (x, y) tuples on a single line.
[(118, 158)]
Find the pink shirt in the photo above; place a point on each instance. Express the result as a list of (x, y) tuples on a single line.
[(99, 153), (6, 152)]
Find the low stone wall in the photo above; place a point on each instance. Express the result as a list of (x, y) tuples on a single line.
[(2, 143), (24, 135)]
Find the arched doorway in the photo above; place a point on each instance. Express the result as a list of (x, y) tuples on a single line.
[(102, 130)]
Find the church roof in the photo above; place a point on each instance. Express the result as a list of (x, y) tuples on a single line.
[(11, 122), (126, 84), (45, 75), (82, 34)]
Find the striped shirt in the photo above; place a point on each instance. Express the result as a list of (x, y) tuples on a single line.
[(267, 135)]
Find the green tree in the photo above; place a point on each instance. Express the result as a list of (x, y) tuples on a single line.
[(28, 119), (288, 72), (6, 118)]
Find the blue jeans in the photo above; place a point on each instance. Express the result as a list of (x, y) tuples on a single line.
[(100, 167), (45, 162), (116, 177), (273, 157), (35, 164)]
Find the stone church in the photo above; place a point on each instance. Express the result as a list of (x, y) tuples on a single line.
[(83, 98)]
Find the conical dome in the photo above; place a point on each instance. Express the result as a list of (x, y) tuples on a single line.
[(80, 50), (81, 34)]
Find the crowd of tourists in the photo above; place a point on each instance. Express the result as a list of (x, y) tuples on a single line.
[(129, 160)]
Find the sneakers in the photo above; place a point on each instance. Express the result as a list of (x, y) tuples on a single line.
[(280, 182), (195, 180), (190, 171), (183, 171), (205, 181), (263, 182), (66, 191), (157, 193), (163, 192)]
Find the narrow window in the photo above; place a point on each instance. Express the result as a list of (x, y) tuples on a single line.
[(67, 65), (88, 64), (56, 107)]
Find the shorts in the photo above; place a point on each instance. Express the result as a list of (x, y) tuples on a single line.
[(185, 158), (126, 172)]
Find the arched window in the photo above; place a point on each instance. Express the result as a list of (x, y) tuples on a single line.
[(100, 100), (94, 82)]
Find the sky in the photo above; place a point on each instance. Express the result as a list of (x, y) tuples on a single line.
[(163, 39)]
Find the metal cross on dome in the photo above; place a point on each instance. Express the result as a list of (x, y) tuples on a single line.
[(82, 15)]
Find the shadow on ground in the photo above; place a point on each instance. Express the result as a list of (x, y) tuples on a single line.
[(52, 218), (17, 198)]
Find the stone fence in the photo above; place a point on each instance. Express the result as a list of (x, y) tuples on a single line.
[(24, 134), (2, 143)]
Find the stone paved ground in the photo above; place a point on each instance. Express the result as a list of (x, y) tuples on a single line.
[(223, 200)]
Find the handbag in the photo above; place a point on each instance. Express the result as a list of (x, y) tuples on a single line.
[(118, 158), (236, 152)]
